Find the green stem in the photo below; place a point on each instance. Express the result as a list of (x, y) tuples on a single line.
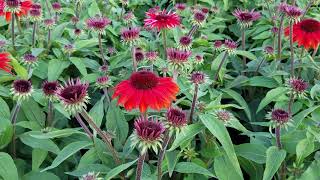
[(14, 116), (164, 41), (216, 76), (162, 153), (194, 100), (291, 50), (243, 45), (140, 166), (12, 30)]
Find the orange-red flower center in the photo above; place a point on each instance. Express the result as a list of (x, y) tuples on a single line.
[(144, 80), (310, 25)]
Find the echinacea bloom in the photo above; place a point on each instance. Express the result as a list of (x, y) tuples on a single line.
[(176, 119), (4, 62), (49, 89), (144, 90), (199, 18), (230, 46), (49, 23), (130, 35), (293, 13), (74, 96), (21, 89), (279, 117), (139, 55), (2, 43), (35, 15), (205, 10), (68, 48), (103, 82), (268, 50), (128, 17), (306, 33), (198, 77), (77, 32), (223, 115), (56, 6), (18, 7), (185, 43), (297, 85), (162, 20), (147, 134), (74, 20), (217, 45), (198, 59), (90, 176), (180, 6), (104, 68), (245, 17), (30, 60), (97, 24), (151, 55), (177, 57)]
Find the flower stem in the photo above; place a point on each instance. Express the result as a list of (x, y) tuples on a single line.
[(192, 30), (220, 66), (14, 116), (101, 49), (84, 126), (315, 52), (134, 61), (307, 8), (259, 66), (300, 59), (278, 135), (291, 49), (175, 75), (105, 137), (164, 41), (291, 100), (48, 7), (279, 36), (18, 24), (34, 33), (49, 38), (56, 18), (194, 100), (12, 30), (105, 91), (162, 153), (140, 166), (243, 46), (50, 113)]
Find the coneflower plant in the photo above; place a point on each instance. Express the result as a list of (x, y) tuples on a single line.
[(130, 36), (49, 89)]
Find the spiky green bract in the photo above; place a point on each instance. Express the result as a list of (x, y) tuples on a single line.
[(176, 120), (279, 118)]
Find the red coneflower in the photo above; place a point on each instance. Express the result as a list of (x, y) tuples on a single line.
[(279, 117), (77, 32), (56, 6), (146, 90), (29, 59), (199, 18), (103, 82), (147, 134), (4, 62), (74, 20), (130, 35), (49, 89), (297, 85), (293, 12), (139, 55), (74, 96), (128, 17), (21, 89), (245, 17), (49, 23), (230, 46), (97, 23), (198, 77), (162, 19), (178, 56), (151, 55), (177, 119), (18, 7), (306, 33), (217, 45), (185, 43), (180, 6)]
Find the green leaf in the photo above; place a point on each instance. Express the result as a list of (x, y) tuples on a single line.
[(8, 170), (55, 68), (58, 31), (78, 62), (218, 129), (4, 109), (116, 122), (273, 162), (253, 152), (271, 96), (304, 148), (97, 111), (68, 151), (33, 112), (38, 156), (87, 43), (236, 96), (262, 81), (44, 144), (190, 167), (172, 158), (20, 70), (115, 171), (263, 35), (40, 175), (6, 132), (55, 133), (93, 9), (224, 170), (312, 173), (247, 54), (187, 134)]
